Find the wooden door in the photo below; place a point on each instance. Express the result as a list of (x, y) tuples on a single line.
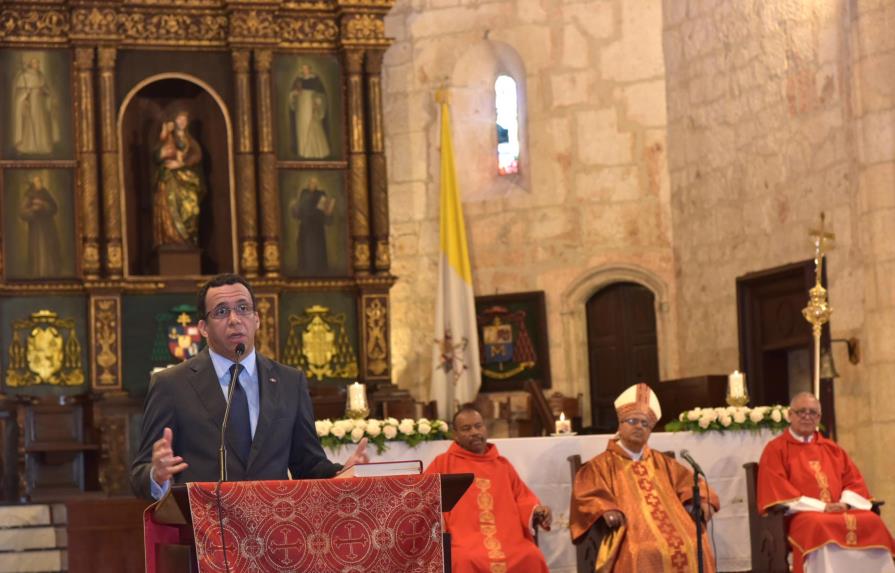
[(776, 344), (622, 349)]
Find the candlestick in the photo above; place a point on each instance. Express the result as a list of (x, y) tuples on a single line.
[(563, 426), (736, 389), (357, 401)]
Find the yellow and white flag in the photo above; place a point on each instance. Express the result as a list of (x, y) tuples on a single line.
[(457, 375)]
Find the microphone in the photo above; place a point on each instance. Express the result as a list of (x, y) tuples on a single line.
[(686, 455), (222, 452)]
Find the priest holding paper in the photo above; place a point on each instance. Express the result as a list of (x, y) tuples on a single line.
[(831, 527), (639, 494), (491, 526)]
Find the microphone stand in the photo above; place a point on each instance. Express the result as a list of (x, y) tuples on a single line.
[(697, 515), (222, 453)]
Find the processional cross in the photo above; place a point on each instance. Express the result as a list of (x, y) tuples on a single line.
[(818, 310)]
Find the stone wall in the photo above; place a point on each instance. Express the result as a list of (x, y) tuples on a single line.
[(778, 110), (593, 198), (871, 415), (771, 111)]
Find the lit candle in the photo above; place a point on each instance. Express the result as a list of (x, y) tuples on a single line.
[(563, 426), (736, 384), (357, 396)]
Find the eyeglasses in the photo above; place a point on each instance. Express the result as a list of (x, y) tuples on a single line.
[(634, 421), (806, 413), (222, 312)]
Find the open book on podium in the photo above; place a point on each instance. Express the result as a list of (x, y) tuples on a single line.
[(302, 525), (382, 469)]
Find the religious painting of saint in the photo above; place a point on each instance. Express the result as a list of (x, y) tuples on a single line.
[(309, 115), (38, 224), (35, 96), (314, 222), (178, 184)]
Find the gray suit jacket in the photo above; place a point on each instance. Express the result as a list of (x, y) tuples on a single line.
[(187, 398)]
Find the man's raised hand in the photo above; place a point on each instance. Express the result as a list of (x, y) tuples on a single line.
[(164, 463)]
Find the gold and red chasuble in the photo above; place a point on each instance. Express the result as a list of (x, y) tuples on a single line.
[(790, 469), (489, 526), (659, 535)]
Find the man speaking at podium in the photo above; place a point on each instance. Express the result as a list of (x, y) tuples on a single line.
[(271, 427)]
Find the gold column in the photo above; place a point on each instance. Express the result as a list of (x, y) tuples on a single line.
[(357, 164), (267, 166), (246, 199), (86, 171), (111, 186), (378, 174)]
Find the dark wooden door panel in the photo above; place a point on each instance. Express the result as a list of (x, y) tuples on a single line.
[(622, 348), (772, 328)]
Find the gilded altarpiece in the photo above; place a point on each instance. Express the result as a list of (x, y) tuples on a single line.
[(146, 145)]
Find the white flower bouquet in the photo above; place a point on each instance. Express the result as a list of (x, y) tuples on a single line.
[(334, 434), (724, 419)]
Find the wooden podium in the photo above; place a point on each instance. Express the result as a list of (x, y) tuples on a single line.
[(179, 556)]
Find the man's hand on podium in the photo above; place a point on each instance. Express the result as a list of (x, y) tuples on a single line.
[(164, 463), (358, 457)]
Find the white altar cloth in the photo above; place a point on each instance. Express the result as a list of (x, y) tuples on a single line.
[(542, 464)]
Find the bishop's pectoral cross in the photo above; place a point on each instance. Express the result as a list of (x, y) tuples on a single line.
[(821, 237)]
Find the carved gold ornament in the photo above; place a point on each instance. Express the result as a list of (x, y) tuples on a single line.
[(318, 344), (377, 341), (364, 28), (106, 341), (361, 255), (266, 337), (44, 350), (271, 256), (28, 23), (308, 31)]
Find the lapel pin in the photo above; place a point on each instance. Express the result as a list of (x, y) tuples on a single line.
[(273, 380)]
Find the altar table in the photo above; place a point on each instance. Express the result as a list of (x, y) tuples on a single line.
[(542, 464)]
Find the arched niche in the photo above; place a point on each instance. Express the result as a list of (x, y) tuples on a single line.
[(151, 102), (474, 120), (574, 322)]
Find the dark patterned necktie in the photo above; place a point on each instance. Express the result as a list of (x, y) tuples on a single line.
[(240, 428)]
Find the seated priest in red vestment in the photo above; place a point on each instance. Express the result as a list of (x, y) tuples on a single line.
[(830, 525), (640, 494), (491, 526)]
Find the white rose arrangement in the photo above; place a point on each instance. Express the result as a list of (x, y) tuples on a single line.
[(337, 433), (724, 419)]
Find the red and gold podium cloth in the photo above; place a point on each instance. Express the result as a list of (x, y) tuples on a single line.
[(820, 469), (370, 525)]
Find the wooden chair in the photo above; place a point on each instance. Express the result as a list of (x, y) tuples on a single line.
[(767, 532), (542, 415), (571, 407), (399, 409), (587, 547)]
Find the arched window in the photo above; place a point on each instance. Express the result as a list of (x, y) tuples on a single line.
[(507, 102)]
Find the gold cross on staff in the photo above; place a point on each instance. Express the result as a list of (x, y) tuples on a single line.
[(820, 236)]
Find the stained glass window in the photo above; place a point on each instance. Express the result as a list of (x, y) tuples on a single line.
[(507, 101)]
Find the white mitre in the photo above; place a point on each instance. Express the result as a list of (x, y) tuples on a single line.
[(641, 399)]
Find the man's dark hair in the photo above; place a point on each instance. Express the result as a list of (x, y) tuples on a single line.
[(468, 407), (219, 281)]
